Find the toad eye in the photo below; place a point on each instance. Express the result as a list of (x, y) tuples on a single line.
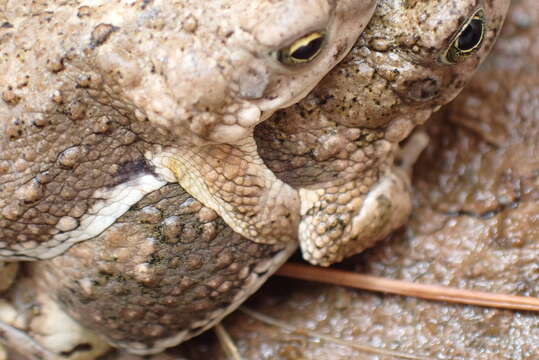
[(303, 50), (468, 40)]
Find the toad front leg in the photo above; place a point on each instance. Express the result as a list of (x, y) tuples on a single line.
[(234, 181)]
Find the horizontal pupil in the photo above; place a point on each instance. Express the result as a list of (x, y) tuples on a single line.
[(307, 51), (471, 36)]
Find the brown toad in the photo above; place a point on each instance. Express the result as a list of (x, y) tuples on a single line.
[(337, 146), (165, 272)]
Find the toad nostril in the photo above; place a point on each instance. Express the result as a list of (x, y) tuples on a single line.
[(422, 89)]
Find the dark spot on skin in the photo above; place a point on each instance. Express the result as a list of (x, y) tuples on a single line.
[(145, 3), (101, 33), (132, 169), (84, 11), (79, 347), (339, 50), (6, 25), (10, 97), (422, 89)]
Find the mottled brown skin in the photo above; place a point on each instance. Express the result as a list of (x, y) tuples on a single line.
[(338, 145), (165, 271), (474, 226)]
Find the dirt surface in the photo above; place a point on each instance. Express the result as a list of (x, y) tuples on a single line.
[(475, 226)]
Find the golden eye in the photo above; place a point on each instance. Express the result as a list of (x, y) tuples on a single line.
[(303, 50), (468, 40)]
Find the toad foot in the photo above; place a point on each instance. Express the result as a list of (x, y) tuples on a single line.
[(335, 226)]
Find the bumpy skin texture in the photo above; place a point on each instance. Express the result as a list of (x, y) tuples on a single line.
[(167, 270), (475, 226), (97, 280), (338, 145), (133, 265), (103, 102)]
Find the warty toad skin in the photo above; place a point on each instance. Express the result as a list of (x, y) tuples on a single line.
[(99, 279), (338, 145), (103, 102)]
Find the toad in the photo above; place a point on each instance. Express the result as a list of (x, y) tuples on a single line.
[(165, 272), (103, 102), (337, 146)]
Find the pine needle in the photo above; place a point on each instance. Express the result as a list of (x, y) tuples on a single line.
[(406, 288), (227, 344)]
